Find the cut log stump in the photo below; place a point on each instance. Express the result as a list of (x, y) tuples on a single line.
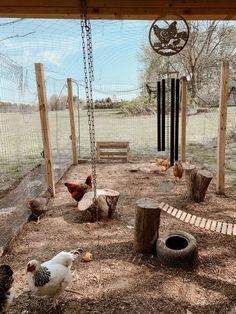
[(104, 206), (147, 220), (197, 182)]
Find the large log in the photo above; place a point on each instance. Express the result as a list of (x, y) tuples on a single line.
[(197, 182), (147, 220), (105, 204)]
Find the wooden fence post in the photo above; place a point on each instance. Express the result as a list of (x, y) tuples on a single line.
[(220, 176), (43, 110), (183, 118), (72, 121)]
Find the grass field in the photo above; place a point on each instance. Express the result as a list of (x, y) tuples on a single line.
[(21, 142)]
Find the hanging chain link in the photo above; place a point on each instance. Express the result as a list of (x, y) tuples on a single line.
[(86, 35), (168, 104)]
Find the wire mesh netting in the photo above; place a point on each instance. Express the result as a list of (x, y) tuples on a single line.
[(117, 88)]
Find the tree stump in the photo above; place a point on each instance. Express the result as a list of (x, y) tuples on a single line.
[(147, 221), (104, 206), (197, 182)]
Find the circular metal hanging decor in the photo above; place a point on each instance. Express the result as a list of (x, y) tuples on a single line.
[(168, 36)]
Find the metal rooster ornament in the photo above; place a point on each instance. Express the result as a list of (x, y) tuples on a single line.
[(168, 37)]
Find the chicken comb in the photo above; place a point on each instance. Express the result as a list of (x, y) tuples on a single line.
[(29, 201)]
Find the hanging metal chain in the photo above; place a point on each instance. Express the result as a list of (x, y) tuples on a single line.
[(86, 35), (168, 104)]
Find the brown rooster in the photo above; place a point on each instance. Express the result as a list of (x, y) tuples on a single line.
[(178, 170), (6, 280), (77, 191)]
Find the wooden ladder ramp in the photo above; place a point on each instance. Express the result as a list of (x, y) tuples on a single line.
[(203, 223)]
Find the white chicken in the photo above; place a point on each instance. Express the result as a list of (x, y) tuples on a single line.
[(51, 278)]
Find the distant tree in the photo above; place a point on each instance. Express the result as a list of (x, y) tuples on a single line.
[(209, 42)]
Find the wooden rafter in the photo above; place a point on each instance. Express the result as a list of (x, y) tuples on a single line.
[(120, 9)]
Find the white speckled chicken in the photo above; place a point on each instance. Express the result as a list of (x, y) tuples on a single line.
[(51, 278)]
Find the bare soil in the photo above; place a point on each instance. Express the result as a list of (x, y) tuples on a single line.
[(118, 280)]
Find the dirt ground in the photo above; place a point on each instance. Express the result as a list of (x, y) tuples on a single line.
[(118, 280)]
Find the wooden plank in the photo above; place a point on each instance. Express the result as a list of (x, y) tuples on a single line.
[(224, 228), (187, 218), (192, 220), (213, 225), (165, 207), (208, 224), (174, 212), (43, 110), (113, 158), (112, 153), (219, 226), (119, 9), (120, 3), (220, 175), (161, 205), (197, 222), (183, 118), (202, 223), (169, 211), (234, 230), (72, 122), (229, 229), (113, 144), (179, 214), (182, 217)]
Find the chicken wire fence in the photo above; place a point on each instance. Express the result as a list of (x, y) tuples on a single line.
[(57, 44), (21, 149)]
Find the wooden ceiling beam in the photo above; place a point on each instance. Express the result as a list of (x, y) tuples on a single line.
[(120, 9)]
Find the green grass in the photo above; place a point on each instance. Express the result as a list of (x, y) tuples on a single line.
[(21, 143)]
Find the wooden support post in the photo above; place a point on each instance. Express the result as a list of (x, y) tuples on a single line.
[(72, 121), (220, 175), (183, 118), (43, 110), (147, 221)]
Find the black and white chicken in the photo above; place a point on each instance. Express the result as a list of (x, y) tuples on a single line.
[(51, 278), (6, 295)]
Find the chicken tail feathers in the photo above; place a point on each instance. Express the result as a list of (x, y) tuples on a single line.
[(89, 180), (75, 253)]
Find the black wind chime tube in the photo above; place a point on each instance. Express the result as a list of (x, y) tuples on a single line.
[(177, 86), (172, 121), (158, 116), (163, 115)]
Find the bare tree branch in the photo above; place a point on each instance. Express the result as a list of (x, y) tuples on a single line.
[(12, 22), (16, 36)]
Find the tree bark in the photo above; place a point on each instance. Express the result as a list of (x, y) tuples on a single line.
[(197, 183), (147, 221), (104, 206)]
